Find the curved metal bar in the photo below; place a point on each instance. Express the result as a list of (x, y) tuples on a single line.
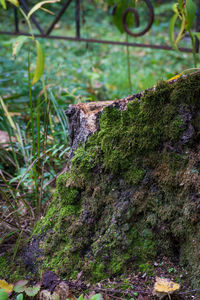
[(134, 12), (136, 16)]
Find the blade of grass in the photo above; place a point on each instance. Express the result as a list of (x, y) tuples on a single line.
[(17, 245), (32, 128), (61, 116), (8, 121)]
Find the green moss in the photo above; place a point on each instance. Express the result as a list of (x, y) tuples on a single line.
[(130, 192), (134, 175), (98, 272), (186, 90), (147, 268), (4, 266), (143, 244), (12, 271), (125, 136), (118, 262), (83, 161)]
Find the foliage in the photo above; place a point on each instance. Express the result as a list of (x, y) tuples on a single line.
[(31, 291), (3, 294), (93, 297), (119, 6), (185, 11), (19, 288), (30, 152)]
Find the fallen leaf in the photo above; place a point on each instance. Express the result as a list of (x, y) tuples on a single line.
[(20, 286), (6, 286), (164, 286), (62, 290)]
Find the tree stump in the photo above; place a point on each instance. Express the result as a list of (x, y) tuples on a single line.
[(132, 192)]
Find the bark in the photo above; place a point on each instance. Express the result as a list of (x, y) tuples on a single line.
[(83, 118)]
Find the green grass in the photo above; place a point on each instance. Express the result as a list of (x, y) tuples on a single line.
[(93, 71)]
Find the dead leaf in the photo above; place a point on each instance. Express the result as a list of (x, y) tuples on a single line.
[(62, 290), (5, 140), (46, 295), (164, 286), (6, 286)]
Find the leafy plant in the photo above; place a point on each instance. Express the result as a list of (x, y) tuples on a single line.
[(93, 297), (184, 11), (28, 147), (21, 286), (3, 294)]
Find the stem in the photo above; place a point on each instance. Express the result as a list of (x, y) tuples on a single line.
[(128, 64), (28, 23), (32, 127), (193, 48), (43, 146)]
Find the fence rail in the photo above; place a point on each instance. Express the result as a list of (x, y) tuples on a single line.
[(77, 38)]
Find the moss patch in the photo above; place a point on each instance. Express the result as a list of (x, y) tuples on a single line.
[(132, 191)]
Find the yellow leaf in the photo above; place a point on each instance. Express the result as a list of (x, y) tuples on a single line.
[(164, 285), (14, 2), (12, 124), (38, 6), (6, 286), (189, 71), (175, 77)]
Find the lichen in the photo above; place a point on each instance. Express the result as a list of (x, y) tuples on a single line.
[(132, 191)]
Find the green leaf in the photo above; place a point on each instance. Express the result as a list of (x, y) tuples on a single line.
[(96, 297), (20, 286), (32, 291), (18, 43), (180, 5), (12, 124), (197, 34), (39, 63), (3, 295), (175, 8), (172, 29), (3, 3), (118, 14), (81, 297), (190, 10), (38, 6), (19, 297)]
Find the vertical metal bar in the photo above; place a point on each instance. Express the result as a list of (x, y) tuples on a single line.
[(61, 12), (16, 20), (197, 28), (77, 19)]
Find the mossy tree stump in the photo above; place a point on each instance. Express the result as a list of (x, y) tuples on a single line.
[(132, 190)]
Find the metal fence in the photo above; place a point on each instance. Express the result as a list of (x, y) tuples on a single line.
[(149, 16)]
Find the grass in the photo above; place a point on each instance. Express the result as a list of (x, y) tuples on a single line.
[(75, 72)]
